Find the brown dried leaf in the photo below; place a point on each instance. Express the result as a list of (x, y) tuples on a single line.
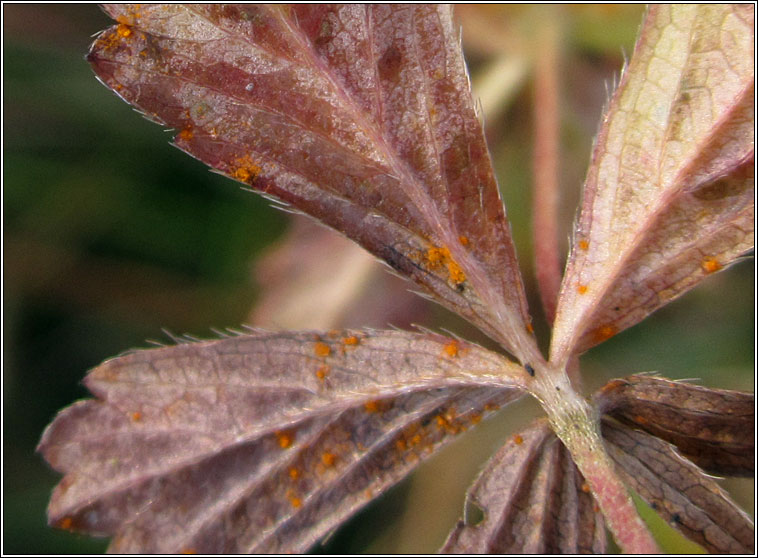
[(688, 499), (262, 442), (534, 501), (359, 115), (669, 196), (714, 428)]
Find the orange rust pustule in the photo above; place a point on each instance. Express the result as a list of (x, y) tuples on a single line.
[(322, 372), (186, 134), (604, 332), (294, 501), (245, 169), (322, 349), (711, 265), (284, 438), (451, 349), (436, 258)]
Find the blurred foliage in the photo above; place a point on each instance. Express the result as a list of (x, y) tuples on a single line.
[(110, 236)]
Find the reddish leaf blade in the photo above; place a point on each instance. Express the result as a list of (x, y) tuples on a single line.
[(534, 501), (358, 115), (714, 428), (263, 442), (669, 196), (688, 499)]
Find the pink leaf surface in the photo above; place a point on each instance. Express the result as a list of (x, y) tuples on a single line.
[(714, 428), (534, 501), (669, 196), (691, 501), (358, 115), (263, 442)]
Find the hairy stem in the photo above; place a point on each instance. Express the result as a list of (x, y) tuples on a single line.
[(575, 422)]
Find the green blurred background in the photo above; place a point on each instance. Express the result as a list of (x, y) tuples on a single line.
[(111, 235)]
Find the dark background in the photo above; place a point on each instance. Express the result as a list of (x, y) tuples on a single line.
[(110, 235)]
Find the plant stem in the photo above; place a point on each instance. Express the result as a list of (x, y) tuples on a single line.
[(576, 424), (545, 165)]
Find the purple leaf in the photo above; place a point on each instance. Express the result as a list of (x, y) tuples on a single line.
[(263, 442), (679, 491), (714, 428), (359, 115), (668, 199), (534, 501)]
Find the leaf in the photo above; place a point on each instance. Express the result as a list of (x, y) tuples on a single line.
[(668, 199), (679, 491), (359, 115), (714, 428), (534, 501), (316, 279), (262, 442)]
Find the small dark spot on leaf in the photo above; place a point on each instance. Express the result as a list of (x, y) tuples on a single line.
[(676, 518), (529, 369), (390, 63), (719, 189)]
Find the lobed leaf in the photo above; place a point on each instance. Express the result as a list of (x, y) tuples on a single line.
[(668, 199), (359, 115), (679, 491), (713, 428), (534, 501), (262, 442)]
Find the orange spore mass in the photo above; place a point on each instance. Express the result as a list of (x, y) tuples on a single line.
[(322, 349), (285, 439), (518, 439), (295, 502), (124, 31), (245, 169), (710, 265), (583, 245), (436, 258), (605, 332), (322, 372), (328, 459), (451, 349), (581, 289), (372, 406)]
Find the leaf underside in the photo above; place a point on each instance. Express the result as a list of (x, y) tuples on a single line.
[(361, 116), (669, 197), (534, 501), (358, 115), (690, 501), (262, 442), (713, 428)]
